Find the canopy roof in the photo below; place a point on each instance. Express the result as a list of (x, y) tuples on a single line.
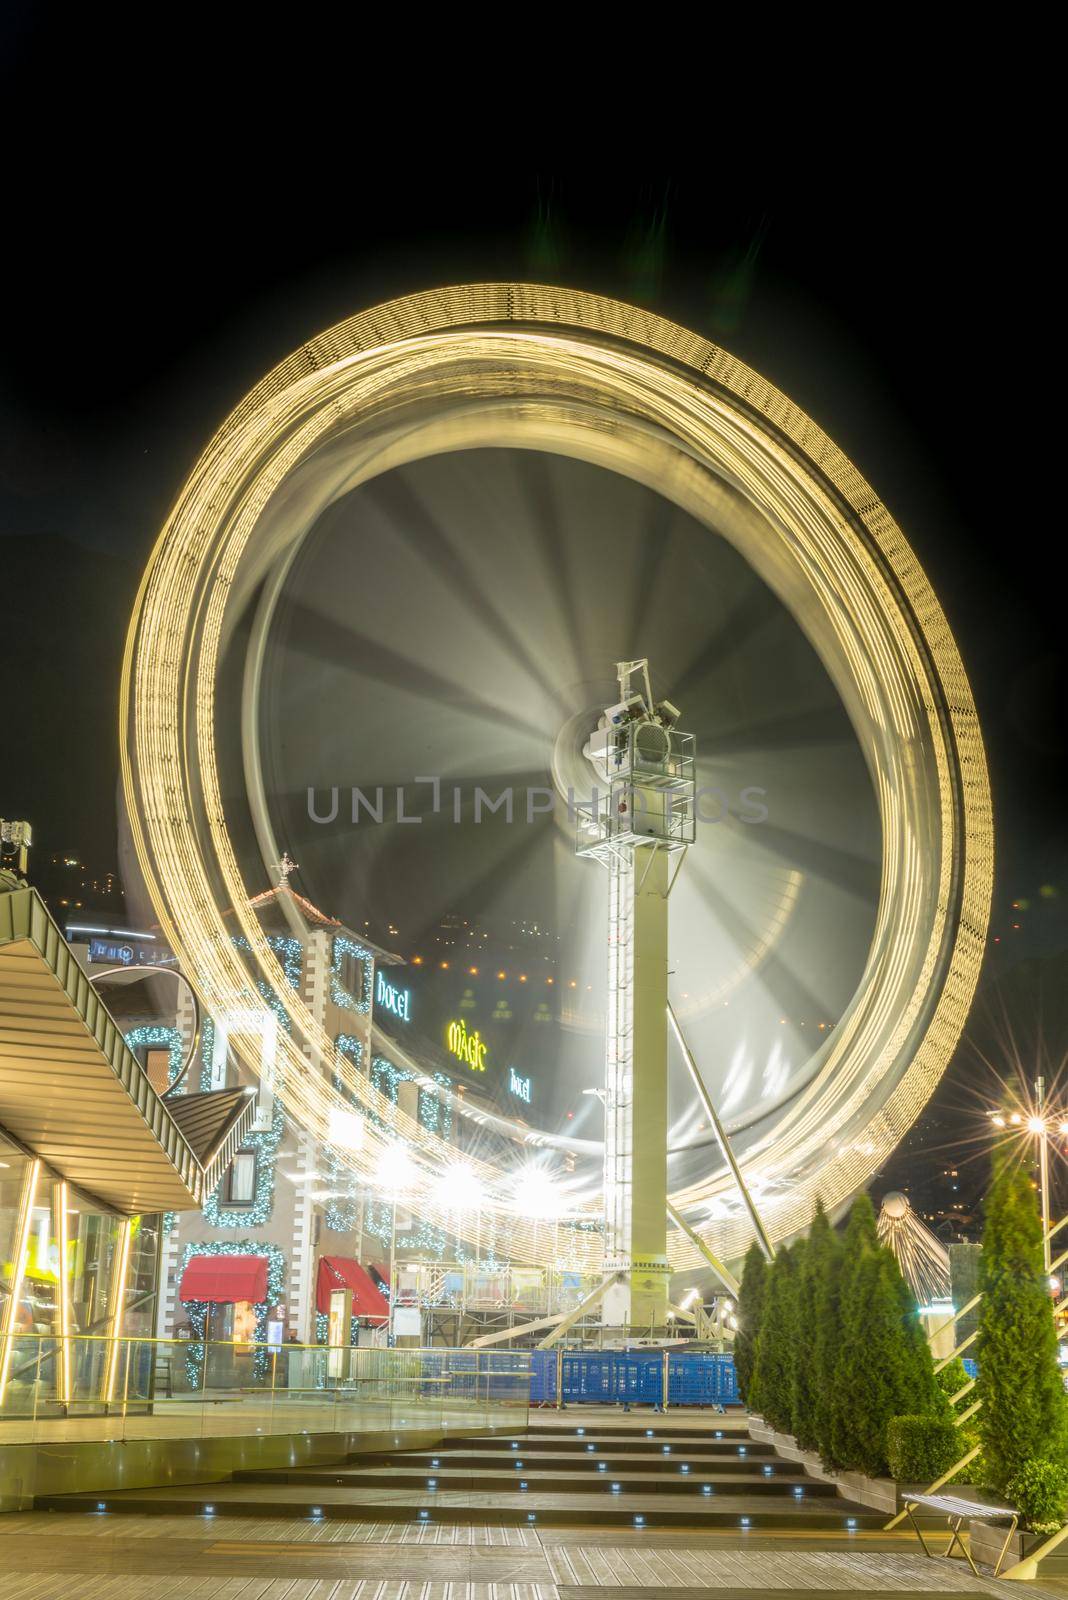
[(74, 1094), (342, 1272), (224, 1279)]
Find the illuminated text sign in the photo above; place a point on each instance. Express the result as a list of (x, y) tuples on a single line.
[(520, 1087), (397, 1001), (466, 1047), (122, 955)]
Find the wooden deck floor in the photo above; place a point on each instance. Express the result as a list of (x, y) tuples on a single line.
[(56, 1556)]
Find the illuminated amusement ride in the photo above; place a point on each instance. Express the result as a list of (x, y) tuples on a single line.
[(390, 593)]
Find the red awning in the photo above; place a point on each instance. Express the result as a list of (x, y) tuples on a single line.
[(225, 1279), (341, 1272)]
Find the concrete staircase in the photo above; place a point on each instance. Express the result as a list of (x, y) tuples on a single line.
[(694, 1475)]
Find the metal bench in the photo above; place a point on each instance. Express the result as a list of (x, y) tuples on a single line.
[(957, 1511)]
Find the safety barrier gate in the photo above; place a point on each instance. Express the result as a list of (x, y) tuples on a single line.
[(632, 1377)]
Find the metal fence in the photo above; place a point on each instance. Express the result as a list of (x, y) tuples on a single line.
[(632, 1377)]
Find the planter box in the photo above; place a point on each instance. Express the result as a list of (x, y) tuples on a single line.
[(879, 1494), (986, 1540)]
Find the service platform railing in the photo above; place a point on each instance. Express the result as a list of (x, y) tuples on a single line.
[(97, 1388)]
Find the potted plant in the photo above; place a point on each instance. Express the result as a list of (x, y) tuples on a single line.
[(1039, 1492)]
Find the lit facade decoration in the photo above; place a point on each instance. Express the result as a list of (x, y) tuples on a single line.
[(197, 1310), (426, 1236), (619, 387), (346, 949), (284, 1187), (157, 1037), (343, 1209)]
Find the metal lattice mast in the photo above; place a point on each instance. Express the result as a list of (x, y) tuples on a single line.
[(619, 1047), (635, 829)]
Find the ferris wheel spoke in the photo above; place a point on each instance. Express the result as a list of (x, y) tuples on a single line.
[(853, 874), (547, 527), (321, 638), (792, 996), (654, 538), (757, 610), (819, 728), (427, 538)]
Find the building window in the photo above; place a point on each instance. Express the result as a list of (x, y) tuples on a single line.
[(241, 1184), (352, 975), (158, 1067)]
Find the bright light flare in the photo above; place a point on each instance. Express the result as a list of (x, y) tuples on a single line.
[(346, 1129), (459, 1188), (536, 1195), (1036, 1125), (396, 1169)]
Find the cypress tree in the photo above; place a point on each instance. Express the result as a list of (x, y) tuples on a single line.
[(771, 1387), (816, 1297), (800, 1394), (861, 1233), (750, 1311), (884, 1367), (828, 1264), (1023, 1403), (839, 1441)]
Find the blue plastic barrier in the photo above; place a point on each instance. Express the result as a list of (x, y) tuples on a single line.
[(543, 1377), (633, 1377), (699, 1379)]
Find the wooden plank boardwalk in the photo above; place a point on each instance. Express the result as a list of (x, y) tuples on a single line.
[(54, 1556)]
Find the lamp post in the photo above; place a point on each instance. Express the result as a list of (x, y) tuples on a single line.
[(395, 1172), (1043, 1124), (1043, 1168), (392, 1263)]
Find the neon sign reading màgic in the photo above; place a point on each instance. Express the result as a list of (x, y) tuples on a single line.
[(466, 1047)]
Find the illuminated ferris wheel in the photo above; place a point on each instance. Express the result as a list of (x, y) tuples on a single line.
[(406, 566)]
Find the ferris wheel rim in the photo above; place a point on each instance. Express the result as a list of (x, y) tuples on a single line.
[(696, 365)]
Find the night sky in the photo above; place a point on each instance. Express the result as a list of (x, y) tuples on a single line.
[(126, 344), (141, 304)]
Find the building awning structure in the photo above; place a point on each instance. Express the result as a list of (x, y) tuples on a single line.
[(341, 1272), (224, 1279), (74, 1094)]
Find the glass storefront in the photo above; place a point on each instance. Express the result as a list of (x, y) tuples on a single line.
[(64, 1263)]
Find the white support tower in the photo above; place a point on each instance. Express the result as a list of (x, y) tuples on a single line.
[(635, 828)]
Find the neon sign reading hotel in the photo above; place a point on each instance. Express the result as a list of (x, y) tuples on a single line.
[(398, 1001), (466, 1047)]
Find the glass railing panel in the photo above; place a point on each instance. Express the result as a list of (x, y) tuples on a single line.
[(97, 1388), (18, 1387)]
